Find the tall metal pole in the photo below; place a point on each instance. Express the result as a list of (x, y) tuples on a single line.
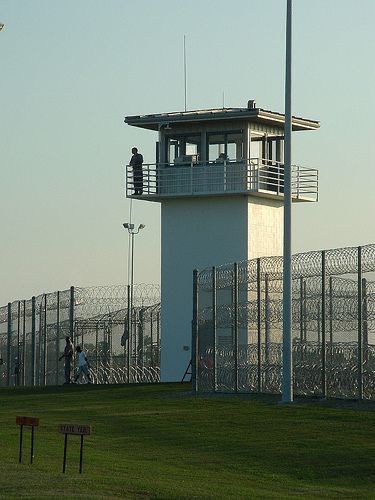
[(130, 228), (323, 326), (287, 384), (360, 342)]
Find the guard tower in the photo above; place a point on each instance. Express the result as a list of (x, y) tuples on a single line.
[(219, 177)]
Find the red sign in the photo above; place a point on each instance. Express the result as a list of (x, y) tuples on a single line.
[(75, 429), (31, 421)]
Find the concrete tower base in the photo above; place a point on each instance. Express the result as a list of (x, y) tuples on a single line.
[(199, 233)]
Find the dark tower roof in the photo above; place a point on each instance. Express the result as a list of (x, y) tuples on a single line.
[(251, 114)]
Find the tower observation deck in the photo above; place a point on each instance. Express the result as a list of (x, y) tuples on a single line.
[(216, 152)]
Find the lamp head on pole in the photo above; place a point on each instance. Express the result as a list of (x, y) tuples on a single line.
[(1, 26)]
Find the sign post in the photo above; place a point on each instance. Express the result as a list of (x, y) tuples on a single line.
[(29, 422), (77, 430)]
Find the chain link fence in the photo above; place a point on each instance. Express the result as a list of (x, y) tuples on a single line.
[(239, 317), (121, 338)]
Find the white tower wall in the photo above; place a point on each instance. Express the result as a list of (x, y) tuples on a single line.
[(199, 233), (265, 227)]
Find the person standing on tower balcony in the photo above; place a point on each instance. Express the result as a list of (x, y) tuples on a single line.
[(136, 163)]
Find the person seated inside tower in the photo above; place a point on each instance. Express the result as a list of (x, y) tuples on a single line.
[(222, 158), (136, 162)]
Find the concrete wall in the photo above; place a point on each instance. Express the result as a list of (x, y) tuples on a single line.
[(200, 233), (265, 228), (195, 233)]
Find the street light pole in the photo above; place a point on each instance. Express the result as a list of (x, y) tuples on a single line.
[(130, 289), (287, 384), (132, 268)]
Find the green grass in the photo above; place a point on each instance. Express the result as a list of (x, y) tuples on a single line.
[(160, 441)]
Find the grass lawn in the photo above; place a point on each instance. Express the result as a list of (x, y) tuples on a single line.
[(160, 441)]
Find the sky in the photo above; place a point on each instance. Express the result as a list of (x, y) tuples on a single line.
[(72, 70)]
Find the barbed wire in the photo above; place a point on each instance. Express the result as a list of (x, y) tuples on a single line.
[(341, 306), (87, 301), (242, 368), (338, 261)]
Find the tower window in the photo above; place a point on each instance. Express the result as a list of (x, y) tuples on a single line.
[(226, 146), (182, 147)]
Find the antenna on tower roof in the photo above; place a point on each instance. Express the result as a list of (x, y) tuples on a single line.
[(185, 87)]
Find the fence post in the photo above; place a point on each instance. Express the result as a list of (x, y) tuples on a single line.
[(323, 326), (301, 309), (141, 323), (304, 311), (57, 337), (267, 319), (152, 340), (158, 336), (33, 343), (235, 321), (71, 314), (331, 318), (267, 328), (360, 344), (96, 351), (39, 357), (24, 344), (195, 335), (45, 344), (259, 327), (364, 319), (9, 344), (18, 365), (110, 361), (214, 328), (318, 318)]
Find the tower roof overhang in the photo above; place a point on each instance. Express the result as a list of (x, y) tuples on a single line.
[(257, 115)]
